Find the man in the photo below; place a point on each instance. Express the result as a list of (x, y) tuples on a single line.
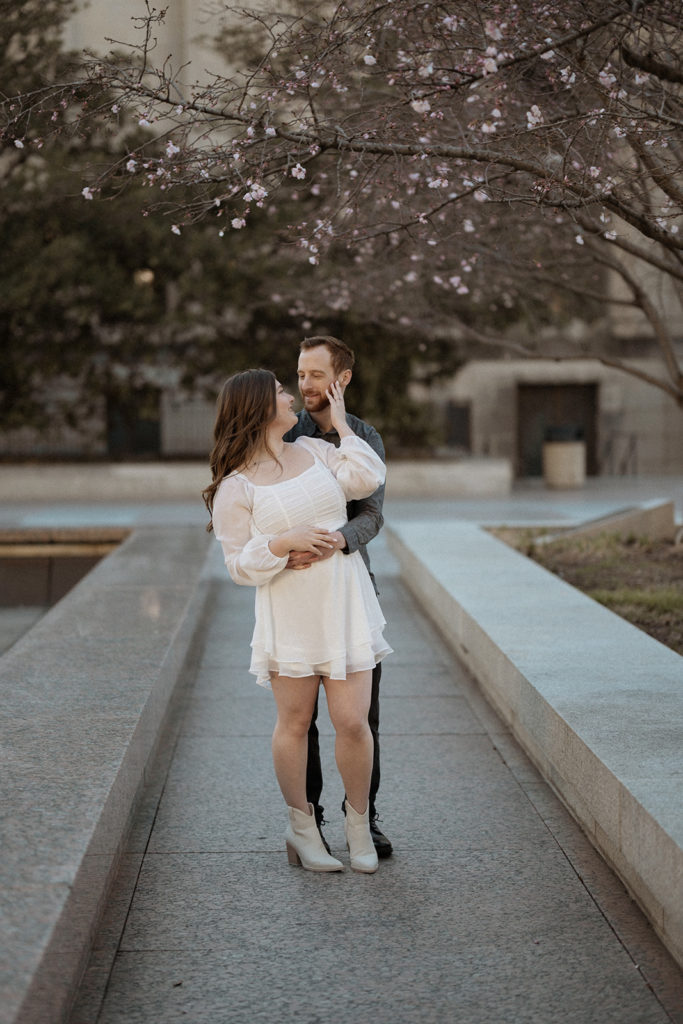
[(322, 360)]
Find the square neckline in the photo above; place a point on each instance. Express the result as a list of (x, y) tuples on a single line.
[(289, 479)]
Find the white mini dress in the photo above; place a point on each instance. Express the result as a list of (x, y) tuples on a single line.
[(325, 620)]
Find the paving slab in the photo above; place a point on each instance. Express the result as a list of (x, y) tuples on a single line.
[(493, 908)]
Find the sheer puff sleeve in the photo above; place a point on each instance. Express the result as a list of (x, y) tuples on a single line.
[(249, 560), (358, 469)]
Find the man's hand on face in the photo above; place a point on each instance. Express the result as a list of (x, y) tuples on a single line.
[(305, 559)]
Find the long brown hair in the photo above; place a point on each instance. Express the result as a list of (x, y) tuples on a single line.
[(245, 407)]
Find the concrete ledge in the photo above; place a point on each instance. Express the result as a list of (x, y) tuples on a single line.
[(596, 703), (449, 478), (84, 698), (172, 481), (104, 481), (653, 519)]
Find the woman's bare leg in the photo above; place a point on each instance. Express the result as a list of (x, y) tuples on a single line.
[(295, 700), (348, 702)]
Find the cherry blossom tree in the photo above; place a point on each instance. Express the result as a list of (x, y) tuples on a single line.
[(469, 166)]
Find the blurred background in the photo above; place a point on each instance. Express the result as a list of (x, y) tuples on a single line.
[(116, 331)]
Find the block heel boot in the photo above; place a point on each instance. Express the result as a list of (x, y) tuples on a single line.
[(359, 840), (304, 844)]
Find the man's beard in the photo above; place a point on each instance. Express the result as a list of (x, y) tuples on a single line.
[(316, 403)]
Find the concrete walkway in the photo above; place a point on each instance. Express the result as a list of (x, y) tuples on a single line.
[(494, 909)]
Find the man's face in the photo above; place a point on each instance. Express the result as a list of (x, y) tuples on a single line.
[(316, 373)]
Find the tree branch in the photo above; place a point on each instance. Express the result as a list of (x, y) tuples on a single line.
[(661, 333)]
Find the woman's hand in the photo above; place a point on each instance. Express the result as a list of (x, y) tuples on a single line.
[(335, 395), (302, 538)]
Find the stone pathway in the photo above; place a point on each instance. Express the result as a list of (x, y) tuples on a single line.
[(494, 909)]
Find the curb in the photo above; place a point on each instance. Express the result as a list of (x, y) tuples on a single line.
[(86, 695)]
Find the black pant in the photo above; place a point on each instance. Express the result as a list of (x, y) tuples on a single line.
[(314, 775)]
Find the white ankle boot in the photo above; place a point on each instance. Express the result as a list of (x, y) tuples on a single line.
[(304, 845), (359, 840)]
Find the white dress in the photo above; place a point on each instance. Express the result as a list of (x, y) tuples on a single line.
[(325, 620)]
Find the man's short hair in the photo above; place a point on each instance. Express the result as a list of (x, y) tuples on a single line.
[(342, 356)]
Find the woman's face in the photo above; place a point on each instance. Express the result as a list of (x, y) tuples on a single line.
[(285, 417)]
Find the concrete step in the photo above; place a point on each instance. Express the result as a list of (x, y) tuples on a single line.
[(85, 694), (596, 703)]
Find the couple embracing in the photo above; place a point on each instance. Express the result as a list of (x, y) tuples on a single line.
[(294, 499)]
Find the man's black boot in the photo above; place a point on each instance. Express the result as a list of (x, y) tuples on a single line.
[(382, 844), (320, 821)]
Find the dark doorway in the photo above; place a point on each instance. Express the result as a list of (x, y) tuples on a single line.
[(133, 425), (458, 426), (544, 408)]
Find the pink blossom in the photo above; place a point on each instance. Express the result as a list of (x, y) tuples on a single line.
[(607, 80), (87, 193), (298, 172), (175, 229), (256, 192), (238, 222)]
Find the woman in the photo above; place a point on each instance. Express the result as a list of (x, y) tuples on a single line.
[(269, 498)]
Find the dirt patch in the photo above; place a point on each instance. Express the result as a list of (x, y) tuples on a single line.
[(638, 578)]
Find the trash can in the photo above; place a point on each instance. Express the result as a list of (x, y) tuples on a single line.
[(564, 457)]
